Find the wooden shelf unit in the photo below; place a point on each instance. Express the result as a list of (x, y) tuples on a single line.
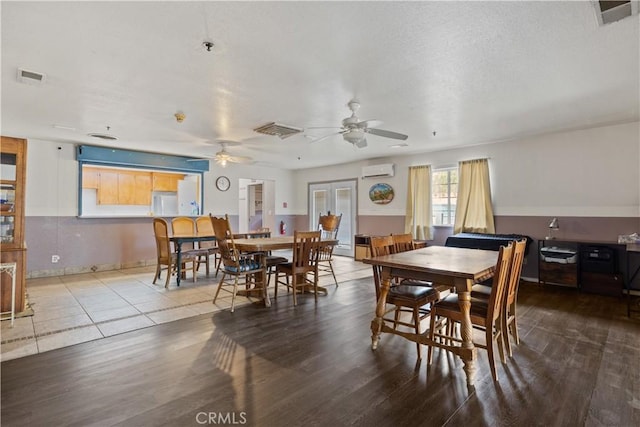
[(12, 244), (362, 250)]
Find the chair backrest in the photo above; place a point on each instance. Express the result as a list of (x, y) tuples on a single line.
[(403, 242), (516, 270), (500, 280), (204, 226), (224, 237), (161, 233), (329, 224), (380, 245), (183, 225), (306, 248)]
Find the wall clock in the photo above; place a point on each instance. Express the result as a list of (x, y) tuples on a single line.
[(223, 183)]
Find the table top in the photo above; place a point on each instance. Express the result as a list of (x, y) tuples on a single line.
[(442, 260)]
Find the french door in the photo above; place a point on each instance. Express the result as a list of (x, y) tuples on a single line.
[(337, 197)]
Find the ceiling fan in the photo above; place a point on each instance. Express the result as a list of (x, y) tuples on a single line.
[(223, 157), (354, 131)]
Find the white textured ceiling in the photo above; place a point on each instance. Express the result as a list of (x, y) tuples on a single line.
[(473, 72)]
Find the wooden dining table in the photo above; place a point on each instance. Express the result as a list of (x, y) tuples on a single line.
[(179, 239), (457, 267), (264, 245)]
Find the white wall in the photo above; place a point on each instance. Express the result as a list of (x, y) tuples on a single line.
[(592, 172)]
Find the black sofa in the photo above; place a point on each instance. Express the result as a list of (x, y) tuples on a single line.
[(490, 242)]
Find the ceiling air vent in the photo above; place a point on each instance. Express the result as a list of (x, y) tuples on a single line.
[(277, 129), (611, 11), (30, 77)]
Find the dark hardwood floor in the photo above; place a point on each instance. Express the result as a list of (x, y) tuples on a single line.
[(578, 364)]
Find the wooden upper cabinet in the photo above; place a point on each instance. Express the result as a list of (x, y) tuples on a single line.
[(108, 187), (143, 189), (90, 177), (123, 187), (166, 181)]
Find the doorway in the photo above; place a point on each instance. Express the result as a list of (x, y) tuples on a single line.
[(337, 197), (257, 203)]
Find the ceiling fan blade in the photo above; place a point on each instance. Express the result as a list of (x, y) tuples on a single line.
[(323, 127), (387, 133), (329, 136), (240, 159), (203, 159), (369, 124)]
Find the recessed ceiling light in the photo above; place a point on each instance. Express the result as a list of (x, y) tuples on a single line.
[(400, 145)]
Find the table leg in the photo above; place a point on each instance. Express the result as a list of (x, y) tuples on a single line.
[(377, 322), (265, 291), (468, 357)]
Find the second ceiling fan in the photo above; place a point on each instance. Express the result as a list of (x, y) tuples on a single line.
[(354, 131), (223, 157)]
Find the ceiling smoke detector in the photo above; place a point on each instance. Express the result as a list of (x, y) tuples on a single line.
[(277, 129)]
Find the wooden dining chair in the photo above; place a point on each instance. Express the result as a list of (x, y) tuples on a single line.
[(403, 242), (413, 299), (508, 317), (484, 313), (328, 225), (184, 225), (204, 226), (306, 249), (235, 265), (165, 256)]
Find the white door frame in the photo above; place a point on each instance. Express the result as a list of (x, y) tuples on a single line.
[(349, 222)]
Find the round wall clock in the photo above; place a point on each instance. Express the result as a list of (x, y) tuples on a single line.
[(223, 183), (381, 194)]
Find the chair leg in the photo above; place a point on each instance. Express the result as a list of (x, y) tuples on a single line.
[(235, 291), (219, 287), (504, 325), (157, 276), (432, 325), (332, 273), (396, 317), (492, 363), (513, 323), (170, 269), (294, 281), (416, 320)]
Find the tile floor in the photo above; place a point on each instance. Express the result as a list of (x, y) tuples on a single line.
[(73, 309)]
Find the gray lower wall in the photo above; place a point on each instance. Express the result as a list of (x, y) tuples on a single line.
[(112, 243), (93, 244)]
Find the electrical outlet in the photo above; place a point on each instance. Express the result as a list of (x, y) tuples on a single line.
[(55, 258)]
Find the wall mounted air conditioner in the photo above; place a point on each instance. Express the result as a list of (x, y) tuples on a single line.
[(376, 171)]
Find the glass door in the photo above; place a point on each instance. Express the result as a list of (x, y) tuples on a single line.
[(338, 197)]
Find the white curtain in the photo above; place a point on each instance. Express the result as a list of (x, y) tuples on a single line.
[(474, 212), (418, 216)]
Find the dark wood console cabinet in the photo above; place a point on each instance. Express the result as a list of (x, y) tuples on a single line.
[(597, 266)]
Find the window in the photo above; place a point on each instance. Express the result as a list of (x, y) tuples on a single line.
[(444, 195), (121, 183)]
